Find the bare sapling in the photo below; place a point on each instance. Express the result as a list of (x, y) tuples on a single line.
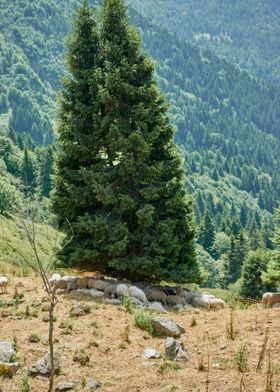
[(42, 268)]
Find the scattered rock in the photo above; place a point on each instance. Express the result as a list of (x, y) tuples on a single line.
[(151, 353), (45, 299), (179, 307), (42, 367), (157, 306), (93, 384), (64, 386), (6, 351), (88, 293), (113, 301), (46, 318), (13, 317), (136, 302), (167, 327), (46, 307), (176, 350), (79, 310)]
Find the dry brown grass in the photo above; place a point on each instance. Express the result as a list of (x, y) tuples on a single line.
[(119, 366)]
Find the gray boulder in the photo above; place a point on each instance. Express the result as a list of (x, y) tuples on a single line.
[(88, 293), (157, 306), (43, 366), (151, 353), (6, 351), (166, 327), (93, 384), (175, 350), (64, 386)]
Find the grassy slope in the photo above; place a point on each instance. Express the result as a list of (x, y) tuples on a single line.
[(11, 233)]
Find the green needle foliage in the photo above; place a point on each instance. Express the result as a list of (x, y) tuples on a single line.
[(120, 179)]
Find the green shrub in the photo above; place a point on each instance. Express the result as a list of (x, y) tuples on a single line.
[(143, 320)]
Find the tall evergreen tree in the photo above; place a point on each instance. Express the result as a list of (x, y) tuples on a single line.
[(207, 232), (237, 254), (73, 197), (46, 170), (130, 212), (28, 172), (272, 276), (254, 266)]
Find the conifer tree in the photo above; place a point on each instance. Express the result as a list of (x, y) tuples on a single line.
[(130, 210), (272, 277), (73, 198), (254, 266), (28, 172), (46, 170), (237, 254), (207, 232)]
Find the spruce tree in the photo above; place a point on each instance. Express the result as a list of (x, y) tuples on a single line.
[(207, 232), (46, 170), (272, 277), (133, 216), (28, 172), (254, 266), (73, 198), (238, 252)]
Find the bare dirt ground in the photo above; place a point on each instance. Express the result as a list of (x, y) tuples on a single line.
[(119, 365)]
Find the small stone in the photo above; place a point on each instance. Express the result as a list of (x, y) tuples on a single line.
[(157, 306), (79, 310), (93, 384), (6, 351), (42, 367), (15, 317), (64, 386), (223, 347), (45, 299), (46, 318), (167, 327), (176, 350), (46, 307), (90, 293), (178, 307), (151, 353)]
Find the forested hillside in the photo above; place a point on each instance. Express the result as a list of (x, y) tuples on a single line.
[(228, 123), (245, 32)]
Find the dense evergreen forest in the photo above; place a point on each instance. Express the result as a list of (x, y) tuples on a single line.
[(244, 32), (228, 122)]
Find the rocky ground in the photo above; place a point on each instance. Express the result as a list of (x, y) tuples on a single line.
[(105, 345)]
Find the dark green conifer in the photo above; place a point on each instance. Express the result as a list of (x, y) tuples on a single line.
[(255, 265), (130, 211), (28, 172), (207, 232), (238, 252)]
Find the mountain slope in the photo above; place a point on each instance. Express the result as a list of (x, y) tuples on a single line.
[(228, 122), (245, 32)]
